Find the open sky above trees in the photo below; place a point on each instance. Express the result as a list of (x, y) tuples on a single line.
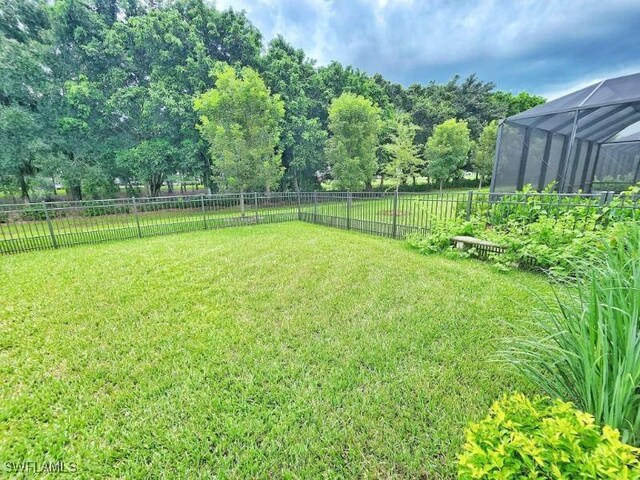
[(548, 48)]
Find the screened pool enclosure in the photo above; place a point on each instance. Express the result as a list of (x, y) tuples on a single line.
[(586, 141)]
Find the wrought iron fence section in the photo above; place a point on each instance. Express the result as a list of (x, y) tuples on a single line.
[(40, 226)]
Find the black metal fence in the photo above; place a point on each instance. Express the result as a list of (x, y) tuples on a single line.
[(38, 226)]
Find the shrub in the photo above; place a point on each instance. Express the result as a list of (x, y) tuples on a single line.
[(539, 438), (590, 350), (98, 209), (440, 234), (33, 212), (549, 232)]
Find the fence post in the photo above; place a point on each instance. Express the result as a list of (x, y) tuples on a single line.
[(394, 230), (204, 212), (135, 213), (46, 215), (604, 199), (469, 204), (315, 207), (255, 204), (349, 199)]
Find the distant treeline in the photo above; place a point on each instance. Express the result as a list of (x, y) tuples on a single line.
[(98, 95)]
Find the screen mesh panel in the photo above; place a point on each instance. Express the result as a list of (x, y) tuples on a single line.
[(584, 141)]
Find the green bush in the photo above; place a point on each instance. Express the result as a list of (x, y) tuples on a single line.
[(590, 351), (548, 232), (98, 209), (539, 438), (33, 212)]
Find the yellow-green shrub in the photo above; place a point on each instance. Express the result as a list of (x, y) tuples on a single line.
[(540, 438)]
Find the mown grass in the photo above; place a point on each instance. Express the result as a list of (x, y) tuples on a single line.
[(268, 351)]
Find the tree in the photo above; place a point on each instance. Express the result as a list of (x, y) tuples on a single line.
[(287, 72), (309, 140), (23, 80), (241, 121), (404, 160), (447, 150), (152, 161), (354, 123), (485, 151), (508, 104)]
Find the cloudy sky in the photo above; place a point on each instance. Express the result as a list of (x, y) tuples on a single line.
[(548, 47)]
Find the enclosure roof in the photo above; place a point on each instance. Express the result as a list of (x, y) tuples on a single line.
[(613, 91)]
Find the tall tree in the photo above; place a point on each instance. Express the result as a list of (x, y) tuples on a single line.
[(405, 161), (307, 159), (241, 121), (287, 72), (447, 150), (24, 78), (485, 152), (354, 123)]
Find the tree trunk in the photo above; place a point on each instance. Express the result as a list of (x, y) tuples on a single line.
[(296, 185), (367, 186), (55, 190), (75, 189), (24, 189), (381, 181), (480, 183), (441, 184), (155, 184), (413, 179), (242, 201), (169, 186)]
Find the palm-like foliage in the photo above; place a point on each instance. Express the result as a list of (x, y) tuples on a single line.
[(590, 353)]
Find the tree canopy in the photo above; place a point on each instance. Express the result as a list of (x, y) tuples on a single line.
[(354, 123), (99, 94), (241, 121), (447, 150)]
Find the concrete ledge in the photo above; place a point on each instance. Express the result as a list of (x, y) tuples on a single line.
[(462, 242)]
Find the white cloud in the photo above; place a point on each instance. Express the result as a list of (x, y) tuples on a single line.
[(554, 91), (413, 40)]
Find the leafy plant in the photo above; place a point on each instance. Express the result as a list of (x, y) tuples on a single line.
[(539, 438), (590, 353)]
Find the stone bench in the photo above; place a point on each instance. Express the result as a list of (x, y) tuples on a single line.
[(484, 247)]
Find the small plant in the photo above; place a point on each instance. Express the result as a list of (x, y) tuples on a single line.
[(540, 438), (440, 234), (590, 353)]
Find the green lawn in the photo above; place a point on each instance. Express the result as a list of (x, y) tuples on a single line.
[(269, 351)]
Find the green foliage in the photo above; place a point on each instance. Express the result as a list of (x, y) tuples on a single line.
[(539, 438), (99, 79), (307, 151), (447, 149), (354, 123), (543, 231), (440, 235), (509, 104), (151, 160), (485, 151), (241, 121), (404, 161), (591, 354)]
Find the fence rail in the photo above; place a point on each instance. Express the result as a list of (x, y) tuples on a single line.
[(39, 226)]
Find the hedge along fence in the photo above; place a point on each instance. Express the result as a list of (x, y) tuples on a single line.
[(38, 226)]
